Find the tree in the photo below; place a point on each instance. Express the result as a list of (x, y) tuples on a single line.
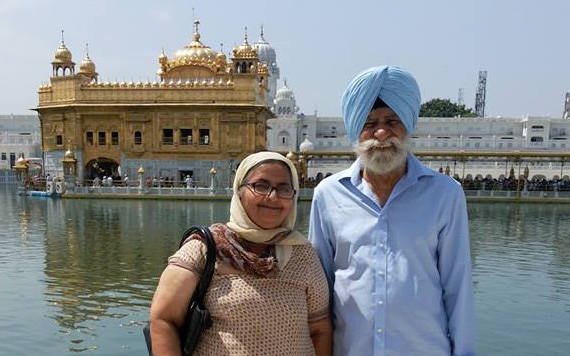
[(444, 108)]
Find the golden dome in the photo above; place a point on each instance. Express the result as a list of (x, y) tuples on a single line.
[(194, 53), (87, 66), (21, 161), (221, 58), (291, 156), (245, 51), (62, 54), (140, 170), (69, 155)]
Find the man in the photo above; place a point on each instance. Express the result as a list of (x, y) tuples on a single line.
[(392, 234)]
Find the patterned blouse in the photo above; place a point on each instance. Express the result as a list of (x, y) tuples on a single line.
[(255, 315)]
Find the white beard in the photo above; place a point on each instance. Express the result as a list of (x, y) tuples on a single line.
[(381, 157)]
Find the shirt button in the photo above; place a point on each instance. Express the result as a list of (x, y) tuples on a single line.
[(380, 302), (381, 273), (379, 331)]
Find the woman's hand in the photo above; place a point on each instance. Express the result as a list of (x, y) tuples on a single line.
[(321, 334), (169, 307)]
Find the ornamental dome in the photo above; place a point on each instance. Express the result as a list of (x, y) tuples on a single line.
[(291, 156), (194, 52), (69, 155), (284, 92), (245, 51), (62, 54), (306, 146), (221, 57), (87, 66), (265, 52)]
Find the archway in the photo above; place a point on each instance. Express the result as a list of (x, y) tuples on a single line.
[(100, 167)]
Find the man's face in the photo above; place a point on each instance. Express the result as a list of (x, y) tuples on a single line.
[(383, 142)]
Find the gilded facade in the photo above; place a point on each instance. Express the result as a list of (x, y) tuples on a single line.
[(204, 112)]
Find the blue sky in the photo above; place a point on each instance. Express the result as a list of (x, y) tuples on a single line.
[(320, 45)]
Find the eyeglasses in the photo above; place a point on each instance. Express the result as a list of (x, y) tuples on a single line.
[(284, 191)]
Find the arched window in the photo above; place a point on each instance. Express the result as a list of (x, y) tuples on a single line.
[(138, 138)]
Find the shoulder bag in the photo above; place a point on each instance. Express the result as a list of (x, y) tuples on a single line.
[(198, 317)]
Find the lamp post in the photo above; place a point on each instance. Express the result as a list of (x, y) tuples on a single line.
[(69, 168), (21, 168), (291, 156), (212, 175)]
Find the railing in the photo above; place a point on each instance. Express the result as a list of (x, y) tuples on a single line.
[(160, 191), (7, 177)]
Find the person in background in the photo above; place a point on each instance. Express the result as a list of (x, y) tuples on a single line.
[(269, 294), (392, 234), (188, 182)]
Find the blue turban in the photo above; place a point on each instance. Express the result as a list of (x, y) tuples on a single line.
[(396, 87)]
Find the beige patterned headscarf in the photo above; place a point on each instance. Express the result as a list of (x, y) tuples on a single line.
[(283, 237)]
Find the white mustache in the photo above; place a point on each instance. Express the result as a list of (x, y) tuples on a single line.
[(371, 144)]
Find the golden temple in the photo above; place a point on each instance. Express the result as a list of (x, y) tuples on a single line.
[(204, 112)]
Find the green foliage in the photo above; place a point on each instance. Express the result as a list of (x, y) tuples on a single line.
[(444, 108)]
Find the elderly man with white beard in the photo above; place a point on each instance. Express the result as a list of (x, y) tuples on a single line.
[(392, 234)]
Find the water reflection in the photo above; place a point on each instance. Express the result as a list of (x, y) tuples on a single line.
[(103, 258)]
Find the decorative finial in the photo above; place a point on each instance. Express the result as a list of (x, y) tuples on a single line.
[(196, 33), (285, 82), (221, 47), (245, 38), (62, 42), (87, 50), (261, 34)]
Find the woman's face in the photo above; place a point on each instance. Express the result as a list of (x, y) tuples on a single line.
[(267, 211)]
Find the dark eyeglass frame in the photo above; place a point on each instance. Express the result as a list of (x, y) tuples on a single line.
[(252, 187)]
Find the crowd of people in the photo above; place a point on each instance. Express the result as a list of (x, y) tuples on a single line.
[(150, 182), (512, 184), (489, 183)]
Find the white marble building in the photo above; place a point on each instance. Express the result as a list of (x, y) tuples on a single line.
[(19, 134), (291, 131), (267, 54)]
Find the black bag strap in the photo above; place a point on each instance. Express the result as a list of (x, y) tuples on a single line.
[(206, 276)]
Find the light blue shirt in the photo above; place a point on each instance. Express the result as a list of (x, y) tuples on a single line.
[(400, 274)]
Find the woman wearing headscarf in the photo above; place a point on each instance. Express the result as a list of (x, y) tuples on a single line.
[(268, 295)]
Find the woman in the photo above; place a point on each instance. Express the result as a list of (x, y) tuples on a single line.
[(269, 295)]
